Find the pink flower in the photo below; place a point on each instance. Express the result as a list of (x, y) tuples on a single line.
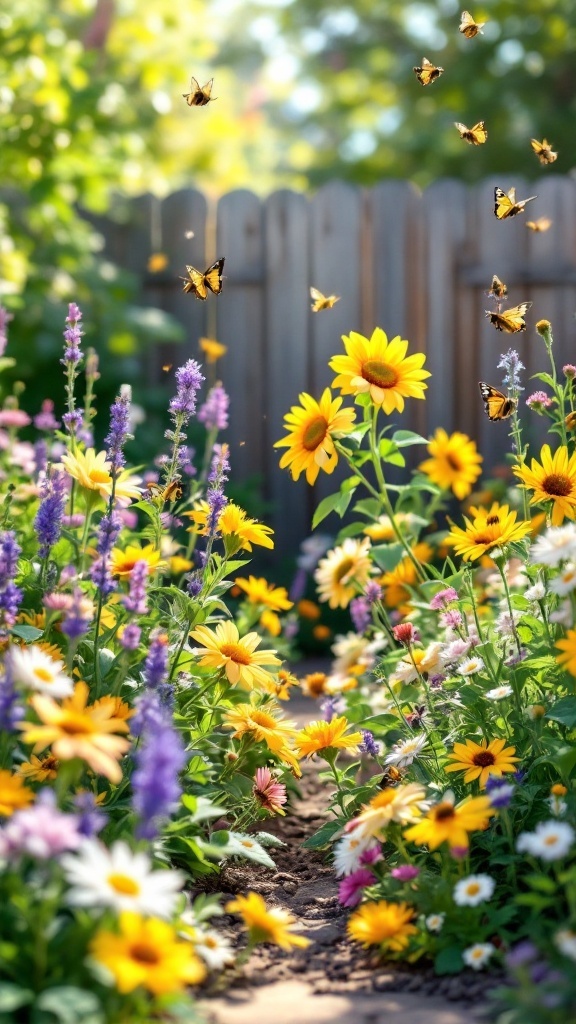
[(404, 633), (372, 855), (40, 831), (14, 418), (458, 852), (442, 598), (269, 793), (451, 619), (569, 371), (129, 518), (405, 872), (538, 400), (351, 888), (58, 602)]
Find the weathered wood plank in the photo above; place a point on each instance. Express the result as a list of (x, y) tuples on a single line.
[(184, 212)]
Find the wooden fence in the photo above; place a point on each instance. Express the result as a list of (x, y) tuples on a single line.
[(414, 263)]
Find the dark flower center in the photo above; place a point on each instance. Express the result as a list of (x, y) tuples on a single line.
[(444, 812), (557, 485), (144, 954), (379, 373), (315, 433), (484, 758), (343, 569), (453, 462)]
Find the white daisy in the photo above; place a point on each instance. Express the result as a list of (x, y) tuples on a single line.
[(475, 889), (348, 851), (499, 692), (405, 672), (119, 878), (563, 614), (557, 545), (434, 922), (566, 582), (535, 593), (477, 955), (239, 845), (470, 667), (456, 649), (565, 941), (557, 805), (36, 670), (551, 840), (215, 951), (403, 753)]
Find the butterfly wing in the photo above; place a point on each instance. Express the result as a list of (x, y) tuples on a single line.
[(498, 289), (191, 97), (497, 406), (510, 320), (207, 91), (469, 27), (427, 73), (544, 151), (542, 224), (478, 134), (317, 300), (213, 276), (195, 283)]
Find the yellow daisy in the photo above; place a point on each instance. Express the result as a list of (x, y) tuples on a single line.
[(147, 952), (13, 794), (271, 622), (276, 733), (259, 591), (225, 648), (266, 925), (567, 645), (401, 804), (383, 924), (454, 463), (381, 369), (317, 737), (237, 529), (311, 427), (553, 479), (488, 529), (343, 572), (447, 822), (122, 562), (92, 471), (39, 769), (314, 684), (212, 349), (481, 760)]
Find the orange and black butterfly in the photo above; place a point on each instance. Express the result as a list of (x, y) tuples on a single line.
[(163, 494), (542, 224), (392, 776), (498, 289), (475, 136), (496, 405), (199, 95), (428, 73), (544, 151), (320, 301), (505, 204), (200, 284), (510, 320), (469, 27)]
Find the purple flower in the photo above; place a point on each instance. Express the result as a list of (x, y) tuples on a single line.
[(195, 584), (189, 380), (451, 619), (74, 522), (217, 477), (156, 664), (351, 888), (510, 362), (40, 457), (130, 637), (360, 614), (77, 618), (135, 600), (72, 421), (73, 336), (108, 530), (45, 420), (159, 759), (569, 371), (214, 413), (523, 953), (442, 598), (373, 592), (91, 819), (41, 831), (5, 317), (10, 594), (538, 400), (369, 744), (332, 706), (48, 521), (119, 432), (10, 710), (499, 791), (405, 872)]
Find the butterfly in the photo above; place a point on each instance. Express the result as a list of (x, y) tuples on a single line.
[(510, 320), (498, 289), (496, 405), (505, 204), (199, 96), (199, 283), (542, 224), (543, 151), (475, 136), (428, 73), (167, 367), (469, 27), (171, 493), (320, 301)]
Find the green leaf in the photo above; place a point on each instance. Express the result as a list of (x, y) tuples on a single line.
[(27, 633), (544, 377), (71, 1005), (323, 836), (12, 997), (542, 883), (535, 900), (449, 961), (326, 506), (387, 556), (389, 452), (406, 438), (563, 711)]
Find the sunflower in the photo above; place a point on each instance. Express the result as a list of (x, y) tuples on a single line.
[(245, 719), (383, 924), (212, 349), (259, 591), (488, 529), (454, 463), (553, 479), (317, 737), (237, 529), (122, 562), (266, 925), (343, 572), (447, 822), (225, 648), (147, 952), (311, 428), (567, 645), (481, 760), (379, 368)]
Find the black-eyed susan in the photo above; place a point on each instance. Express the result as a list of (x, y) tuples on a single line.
[(381, 369), (123, 561), (454, 464), (383, 924), (481, 760), (14, 795), (147, 952), (488, 529), (259, 591), (312, 427), (39, 769), (212, 349), (344, 572), (567, 647), (317, 737), (448, 822), (225, 648), (237, 529), (553, 481), (264, 727), (264, 925)]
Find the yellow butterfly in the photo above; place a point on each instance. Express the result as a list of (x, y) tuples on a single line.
[(544, 151), (496, 405), (469, 27), (199, 96), (428, 73), (163, 494), (510, 320), (542, 224), (199, 283), (498, 289), (475, 136), (320, 301), (505, 204)]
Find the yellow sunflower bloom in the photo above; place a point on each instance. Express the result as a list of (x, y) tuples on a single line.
[(553, 479), (381, 369), (237, 529), (266, 925), (567, 645), (38, 769), (344, 572), (75, 728), (488, 529), (212, 349), (122, 562), (13, 794), (454, 463), (225, 648), (314, 684), (401, 804), (383, 924), (317, 737), (311, 427), (276, 733), (481, 760), (271, 622), (382, 530), (259, 591), (147, 952), (447, 822)]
